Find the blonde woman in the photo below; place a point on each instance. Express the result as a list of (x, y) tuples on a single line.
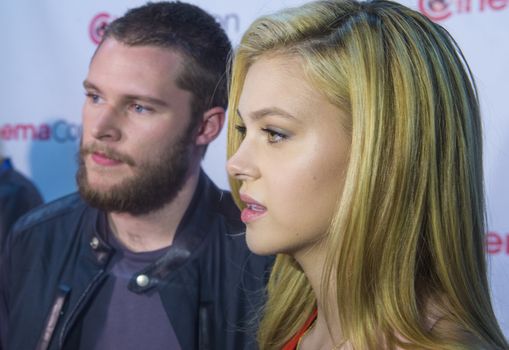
[(355, 152)]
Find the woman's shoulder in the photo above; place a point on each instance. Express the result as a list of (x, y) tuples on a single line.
[(467, 340), (439, 323)]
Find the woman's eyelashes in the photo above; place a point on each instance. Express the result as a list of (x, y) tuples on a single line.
[(241, 129), (273, 135)]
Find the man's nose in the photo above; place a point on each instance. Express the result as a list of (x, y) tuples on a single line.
[(105, 126)]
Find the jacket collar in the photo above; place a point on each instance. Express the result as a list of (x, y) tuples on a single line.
[(190, 234)]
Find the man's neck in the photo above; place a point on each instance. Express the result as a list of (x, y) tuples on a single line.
[(157, 229)]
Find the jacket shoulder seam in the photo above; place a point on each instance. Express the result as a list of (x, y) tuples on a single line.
[(47, 212)]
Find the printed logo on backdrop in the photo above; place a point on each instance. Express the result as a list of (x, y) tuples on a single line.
[(497, 243), (97, 26), (230, 23), (439, 10), (60, 131)]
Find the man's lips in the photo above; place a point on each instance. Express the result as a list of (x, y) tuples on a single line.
[(105, 156), (253, 210), (102, 159)]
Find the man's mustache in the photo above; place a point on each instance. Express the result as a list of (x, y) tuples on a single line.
[(108, 152)]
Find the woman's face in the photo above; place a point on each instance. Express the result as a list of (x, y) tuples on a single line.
[(292, 160)]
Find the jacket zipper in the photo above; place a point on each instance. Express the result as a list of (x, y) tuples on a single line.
[(53, 317), (204, 341), (73, 312)]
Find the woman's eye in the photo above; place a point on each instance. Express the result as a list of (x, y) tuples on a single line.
[(274, 136), (241, 129)]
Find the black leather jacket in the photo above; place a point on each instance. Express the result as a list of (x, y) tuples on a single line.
[(210, 284)]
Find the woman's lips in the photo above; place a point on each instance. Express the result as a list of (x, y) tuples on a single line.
[(253, 210), (101, 159)]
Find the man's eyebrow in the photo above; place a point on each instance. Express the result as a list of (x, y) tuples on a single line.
[(265, 112), (149, 99), (152, 100), (89, 85)]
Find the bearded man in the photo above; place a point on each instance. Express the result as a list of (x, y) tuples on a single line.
[(150, 254)]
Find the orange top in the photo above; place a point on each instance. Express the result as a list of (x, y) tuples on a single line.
[(294, 341)]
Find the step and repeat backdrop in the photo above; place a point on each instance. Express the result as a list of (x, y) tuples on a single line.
[(47, 46)]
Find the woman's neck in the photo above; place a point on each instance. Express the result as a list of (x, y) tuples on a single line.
[(319, 337)]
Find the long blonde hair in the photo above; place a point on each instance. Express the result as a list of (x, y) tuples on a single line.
[(409, 228)]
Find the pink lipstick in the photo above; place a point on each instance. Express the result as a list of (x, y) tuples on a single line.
[(253, 210)]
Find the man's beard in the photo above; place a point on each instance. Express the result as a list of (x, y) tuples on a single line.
[(156, 183)]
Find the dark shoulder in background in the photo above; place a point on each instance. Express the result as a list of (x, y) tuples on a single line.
[(18, 195)]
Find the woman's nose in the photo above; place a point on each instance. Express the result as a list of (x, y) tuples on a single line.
[(242, 164)]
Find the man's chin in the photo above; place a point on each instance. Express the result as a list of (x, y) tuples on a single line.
[(102, 198), (101, 187), (105, 181), (97, 192), (97, 173)]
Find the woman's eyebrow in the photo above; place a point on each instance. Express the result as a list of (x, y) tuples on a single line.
[(265, 112)]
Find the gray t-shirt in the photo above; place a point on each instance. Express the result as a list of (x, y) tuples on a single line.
[(120, 319)]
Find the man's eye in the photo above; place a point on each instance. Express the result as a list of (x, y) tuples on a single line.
[(93, 97), (139, 108), (274, 136)]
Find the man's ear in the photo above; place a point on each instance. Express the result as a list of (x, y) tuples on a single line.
[(210, 126)]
